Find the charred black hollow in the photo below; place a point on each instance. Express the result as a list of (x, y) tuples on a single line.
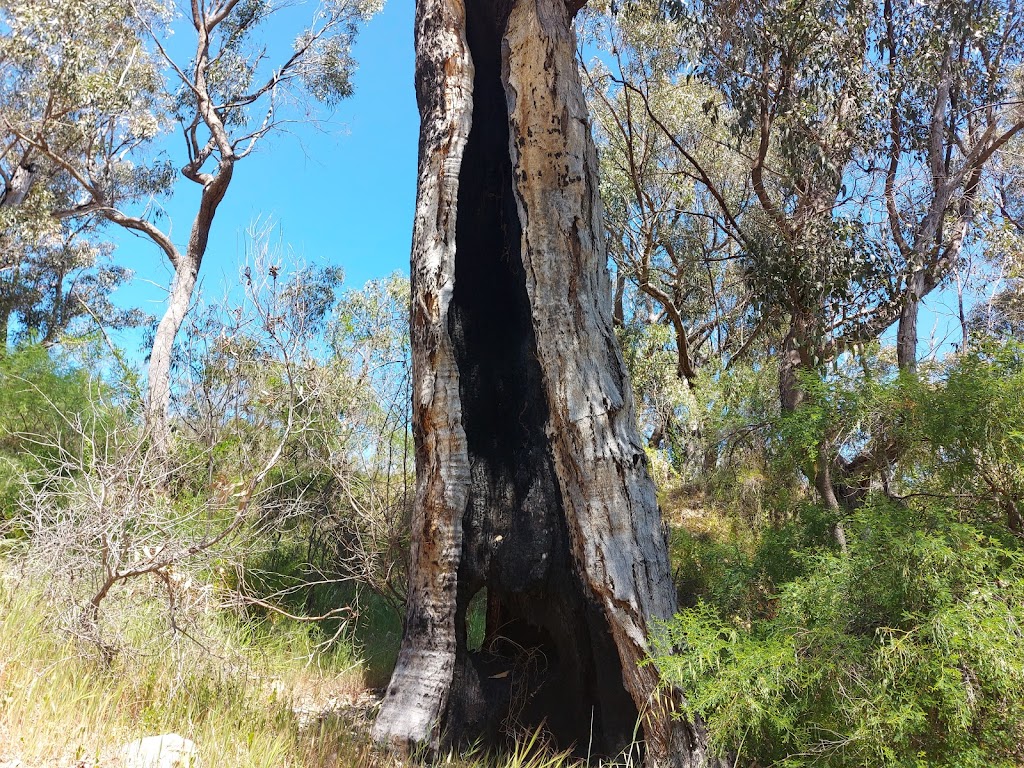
[(547, 658)]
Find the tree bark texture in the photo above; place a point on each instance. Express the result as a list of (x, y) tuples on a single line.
[(186, 275), (158, 381), (532, 485), (906, 329), (16, 190)]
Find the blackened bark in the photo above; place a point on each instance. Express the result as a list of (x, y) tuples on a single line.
[(531, 476), (547, 657)]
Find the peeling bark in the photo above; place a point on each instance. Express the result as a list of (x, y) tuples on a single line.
[(418, 694), (531, 477)]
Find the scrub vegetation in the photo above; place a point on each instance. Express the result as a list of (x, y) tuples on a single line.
[(814, 215)]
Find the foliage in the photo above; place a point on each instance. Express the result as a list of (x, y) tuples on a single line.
[(973, 440), (75, 82), (92, 93), (291, 476), (45, 403), (321, 375), (904, 651), (907, 652)]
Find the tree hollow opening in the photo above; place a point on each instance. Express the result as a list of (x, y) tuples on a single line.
[(547, 658)]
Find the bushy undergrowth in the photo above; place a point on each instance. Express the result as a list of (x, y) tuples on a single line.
[(908, 648), (262, 561), (45, 405), (908, 651)]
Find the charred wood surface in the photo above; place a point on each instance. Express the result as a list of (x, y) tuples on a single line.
[(532, 485)]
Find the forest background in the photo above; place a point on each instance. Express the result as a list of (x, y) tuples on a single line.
[(814, 222)]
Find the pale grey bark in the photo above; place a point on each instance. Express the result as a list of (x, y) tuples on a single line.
[(611, 508), (16, 188), (158, 386), (418, 693), (186, 275), (906, 330)]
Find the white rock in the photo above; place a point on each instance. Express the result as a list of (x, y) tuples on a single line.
[(166, 751)]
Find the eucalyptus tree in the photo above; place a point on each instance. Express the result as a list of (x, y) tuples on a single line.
[(678, 265), (665, 229), (864, 130), (225, 94), (532, 486), (60, 286), (951, 102), (76, 82)]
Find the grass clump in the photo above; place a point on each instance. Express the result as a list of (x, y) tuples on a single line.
[(241, 692)]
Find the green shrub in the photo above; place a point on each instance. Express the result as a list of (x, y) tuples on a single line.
[(909, 649), (45, 405), (907, 652)]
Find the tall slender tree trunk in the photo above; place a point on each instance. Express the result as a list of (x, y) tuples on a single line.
[(158, 401), (532, 487), (906, 329), (183, 286)]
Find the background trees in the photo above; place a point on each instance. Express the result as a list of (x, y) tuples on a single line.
[(842, 166), (109, 74), (792, 193), (832, 159)]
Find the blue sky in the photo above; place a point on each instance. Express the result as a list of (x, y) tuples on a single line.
[(341, 195)]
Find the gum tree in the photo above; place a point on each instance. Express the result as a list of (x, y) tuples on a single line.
[(228, 91), (532, 485)]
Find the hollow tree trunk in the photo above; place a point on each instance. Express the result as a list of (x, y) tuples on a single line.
[(532, 485)]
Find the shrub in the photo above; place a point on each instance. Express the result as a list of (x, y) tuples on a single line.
[(907, 652)]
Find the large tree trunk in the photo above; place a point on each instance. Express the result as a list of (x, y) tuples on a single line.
[(532, 485)]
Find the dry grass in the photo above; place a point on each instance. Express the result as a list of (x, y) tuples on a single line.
[(248, 702), (242, 702)]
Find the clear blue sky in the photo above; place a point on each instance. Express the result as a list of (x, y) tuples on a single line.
[(342, 195)]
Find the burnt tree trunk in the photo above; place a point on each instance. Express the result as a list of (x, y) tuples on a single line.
[(532, 486)]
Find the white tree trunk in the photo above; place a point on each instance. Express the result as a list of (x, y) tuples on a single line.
[(158, 400), (183, 286)]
